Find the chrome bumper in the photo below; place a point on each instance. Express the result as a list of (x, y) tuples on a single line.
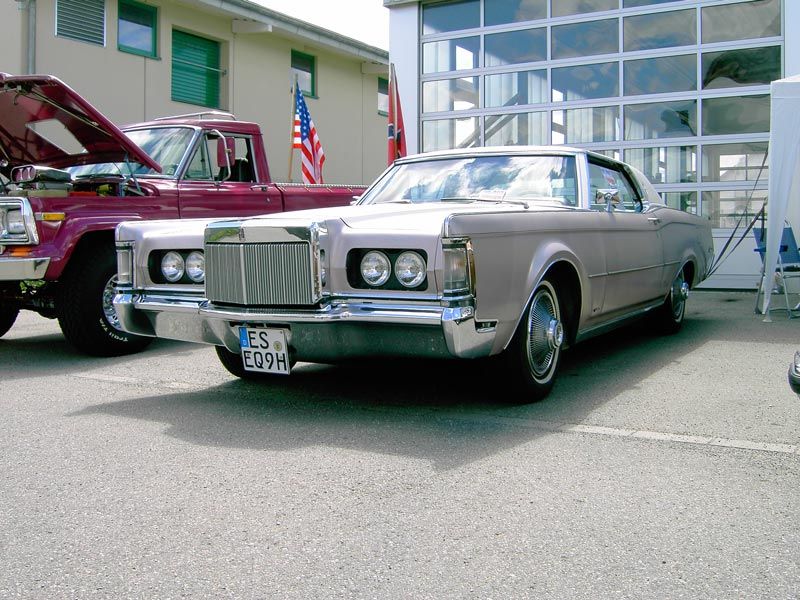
[(14, 269), (341, 330)]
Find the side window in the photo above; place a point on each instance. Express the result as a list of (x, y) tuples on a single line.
[(605, 179), (383, 96), (204, 165), (304, 69)]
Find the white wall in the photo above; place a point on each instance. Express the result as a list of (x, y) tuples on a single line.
[(404, 53)]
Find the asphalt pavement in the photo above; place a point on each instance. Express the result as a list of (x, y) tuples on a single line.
[(659, 467)]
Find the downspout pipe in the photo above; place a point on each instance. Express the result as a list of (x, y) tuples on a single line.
[(29, 8)]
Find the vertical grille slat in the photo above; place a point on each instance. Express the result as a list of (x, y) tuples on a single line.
[(260, 273)]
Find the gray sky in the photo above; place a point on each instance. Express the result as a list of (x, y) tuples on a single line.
[(363, 20)]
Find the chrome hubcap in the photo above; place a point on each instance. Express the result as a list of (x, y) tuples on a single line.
[(108, 303), (545, 333)]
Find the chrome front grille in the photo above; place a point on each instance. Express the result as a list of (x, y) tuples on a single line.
[(267, 273)]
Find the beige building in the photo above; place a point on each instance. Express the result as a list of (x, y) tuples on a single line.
[(139, 60)]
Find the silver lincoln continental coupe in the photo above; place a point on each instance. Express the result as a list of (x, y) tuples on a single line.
[(510, 253)]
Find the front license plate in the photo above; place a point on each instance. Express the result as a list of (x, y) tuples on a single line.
[(264, 350)]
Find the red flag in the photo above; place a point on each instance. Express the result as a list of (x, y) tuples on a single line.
[(396, 133), (307, 140)]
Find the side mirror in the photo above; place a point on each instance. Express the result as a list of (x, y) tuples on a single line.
[(225, 152), (608, 196)]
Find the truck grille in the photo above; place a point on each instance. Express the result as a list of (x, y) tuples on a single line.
[(261, 273)]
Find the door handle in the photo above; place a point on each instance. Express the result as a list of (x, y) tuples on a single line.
[(259, 188), (654, 220)]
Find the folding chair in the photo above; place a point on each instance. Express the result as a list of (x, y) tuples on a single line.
[(788, 266)]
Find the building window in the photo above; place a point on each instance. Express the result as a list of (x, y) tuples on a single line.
[(512, 89), (736, 115), (563, 8), (83, 20), (513, 11), (661, 75), (450, 94), (450, 16), (585, 39), (383, 96), (523, 46), (741, 67), (582, 82), (451, 55), (137, 32), (660, 30), (745, 20), (195, 70), (304, 68)]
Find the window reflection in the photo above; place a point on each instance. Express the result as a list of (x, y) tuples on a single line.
[(445, 134), (741, 67), (527, 45), (736, 115), (585, 81), (515, 129), (660, 75), (741, 21), (660, 120), (585, 39), (450, 94), (583, 125), (685, 201), (450, 55), (513, 11), (659, 30), (510, 89), (562, 8), (450, 16), (729, 208), (665, 164), (735, 162), (633, 3)]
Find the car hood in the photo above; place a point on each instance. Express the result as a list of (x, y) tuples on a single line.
[(397, 216), (28, 100)]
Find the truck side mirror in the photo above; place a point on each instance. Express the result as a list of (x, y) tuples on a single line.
[(225, 152)]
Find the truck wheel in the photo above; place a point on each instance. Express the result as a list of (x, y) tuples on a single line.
[(233, 364), (86, 313), (534, 354), (7, 318)]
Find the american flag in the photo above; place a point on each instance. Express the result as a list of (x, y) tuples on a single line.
[(306, 138)]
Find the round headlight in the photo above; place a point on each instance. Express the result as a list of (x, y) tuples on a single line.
[(172, 266), (196, 266), (375, 268), (409, 268)]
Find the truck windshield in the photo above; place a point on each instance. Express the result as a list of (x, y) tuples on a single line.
[(549, 178), (166, 145)]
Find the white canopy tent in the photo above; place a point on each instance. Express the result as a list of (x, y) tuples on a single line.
[(784, 171)]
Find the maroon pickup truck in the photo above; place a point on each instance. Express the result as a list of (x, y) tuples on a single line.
[(68, 176)]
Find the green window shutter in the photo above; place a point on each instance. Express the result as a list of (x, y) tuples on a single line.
[(83, 20), (195, 70)]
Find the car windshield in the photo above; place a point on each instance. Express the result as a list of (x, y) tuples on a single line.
[(521, 178), (166, 145)]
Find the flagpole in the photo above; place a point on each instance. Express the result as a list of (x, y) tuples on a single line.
[(293, 91)]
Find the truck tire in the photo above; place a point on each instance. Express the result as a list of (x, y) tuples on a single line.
[(7, 318), (85, 312)]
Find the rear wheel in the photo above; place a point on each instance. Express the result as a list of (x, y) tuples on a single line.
[(7, 318), (535, 352), (86, 313), (668, 318)]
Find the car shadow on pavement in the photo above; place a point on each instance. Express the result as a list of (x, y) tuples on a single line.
[(450, 413)]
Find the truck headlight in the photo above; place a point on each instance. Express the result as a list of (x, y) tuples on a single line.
[(172, 266), (15, 222), (375, 268), (196, 266)]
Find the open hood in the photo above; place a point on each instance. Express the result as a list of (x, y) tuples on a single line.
[(35, 111)]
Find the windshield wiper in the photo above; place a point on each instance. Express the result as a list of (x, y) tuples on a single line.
[(522, 203)]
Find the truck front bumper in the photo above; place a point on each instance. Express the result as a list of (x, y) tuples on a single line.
[(338, 331), (17, 269)]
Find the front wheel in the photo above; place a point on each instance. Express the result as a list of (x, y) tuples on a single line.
[(233, 364), (86, 313), (534, 354), (7, 318), (668, 318)]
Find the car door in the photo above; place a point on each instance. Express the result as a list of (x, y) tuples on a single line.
[(212, 185), (631, 239)]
